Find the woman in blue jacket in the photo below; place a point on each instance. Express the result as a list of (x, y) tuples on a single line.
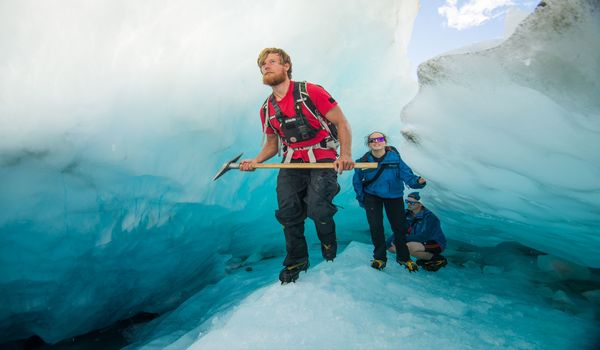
[(426, 240), (384, 187)]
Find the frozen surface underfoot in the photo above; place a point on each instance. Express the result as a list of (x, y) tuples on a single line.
[(485, 298)]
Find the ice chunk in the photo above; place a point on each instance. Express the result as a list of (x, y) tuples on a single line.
[(508, 136), (593, 296), (562, 269)]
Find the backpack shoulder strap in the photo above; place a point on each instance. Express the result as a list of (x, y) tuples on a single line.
[(379, 171), (365, 158), (265, 108), (382, 167), (303, 97), (267, 124), (303, 93), (278, 112)]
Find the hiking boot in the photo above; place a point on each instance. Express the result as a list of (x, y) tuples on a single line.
[(436, 263), (378, 264), (409, 265), (329, 251), (291, 273)]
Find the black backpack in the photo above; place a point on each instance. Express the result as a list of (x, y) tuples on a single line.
[(301, 97)]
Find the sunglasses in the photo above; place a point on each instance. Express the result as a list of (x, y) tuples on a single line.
[(376, 139), (410, 202)]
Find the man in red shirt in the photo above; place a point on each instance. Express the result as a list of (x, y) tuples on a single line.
[(308, 122)]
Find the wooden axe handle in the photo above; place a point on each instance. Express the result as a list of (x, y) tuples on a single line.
[(367, 165)]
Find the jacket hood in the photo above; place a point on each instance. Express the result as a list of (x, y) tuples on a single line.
[(390, 157)]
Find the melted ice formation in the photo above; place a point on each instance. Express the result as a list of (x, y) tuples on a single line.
[(509, 136), (113, 120)]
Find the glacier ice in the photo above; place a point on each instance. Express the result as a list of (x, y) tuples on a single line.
[(114, 117), (509, 136), (349, 305)]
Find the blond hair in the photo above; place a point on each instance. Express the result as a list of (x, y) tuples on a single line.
[(284, 57)]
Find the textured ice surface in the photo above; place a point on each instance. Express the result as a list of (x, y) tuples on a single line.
[(349, 305), (509, 136), (115, 116)]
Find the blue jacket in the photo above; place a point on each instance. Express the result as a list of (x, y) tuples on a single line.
[(425, 226), (390, 183)]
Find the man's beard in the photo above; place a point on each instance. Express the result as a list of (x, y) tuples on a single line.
[(274, 79)]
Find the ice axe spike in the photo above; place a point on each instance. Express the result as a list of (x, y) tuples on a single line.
[(233, 165), (229, 165)]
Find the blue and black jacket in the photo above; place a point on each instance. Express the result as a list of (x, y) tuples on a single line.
[(425, 226), (390, 183)]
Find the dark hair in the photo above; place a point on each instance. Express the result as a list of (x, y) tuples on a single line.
[(371, 133)]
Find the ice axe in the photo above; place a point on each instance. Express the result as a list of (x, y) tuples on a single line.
[(233, 165)]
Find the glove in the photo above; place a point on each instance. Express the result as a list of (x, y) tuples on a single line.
[(409, 265)]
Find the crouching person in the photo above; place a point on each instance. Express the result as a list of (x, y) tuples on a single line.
[(425, 239)]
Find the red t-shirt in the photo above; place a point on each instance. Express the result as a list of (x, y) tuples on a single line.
[(322, 101)]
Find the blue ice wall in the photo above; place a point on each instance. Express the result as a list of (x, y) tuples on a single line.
[(509, 136), (115, 116)]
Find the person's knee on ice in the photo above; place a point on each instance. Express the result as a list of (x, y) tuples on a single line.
[(392, 248), (417, 250)]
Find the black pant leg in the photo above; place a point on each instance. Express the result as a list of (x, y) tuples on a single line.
[(321, 189), (374, 209), (291, 212), (394, 210)]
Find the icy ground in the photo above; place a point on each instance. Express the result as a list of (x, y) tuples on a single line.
[(476, 302)]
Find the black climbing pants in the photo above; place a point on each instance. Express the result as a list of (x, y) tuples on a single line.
[(394, 210), (305, 193)]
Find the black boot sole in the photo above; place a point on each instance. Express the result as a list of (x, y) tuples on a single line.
[(290, 276)]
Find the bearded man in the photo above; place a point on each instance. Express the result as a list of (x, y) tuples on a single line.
[(309, 125)]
